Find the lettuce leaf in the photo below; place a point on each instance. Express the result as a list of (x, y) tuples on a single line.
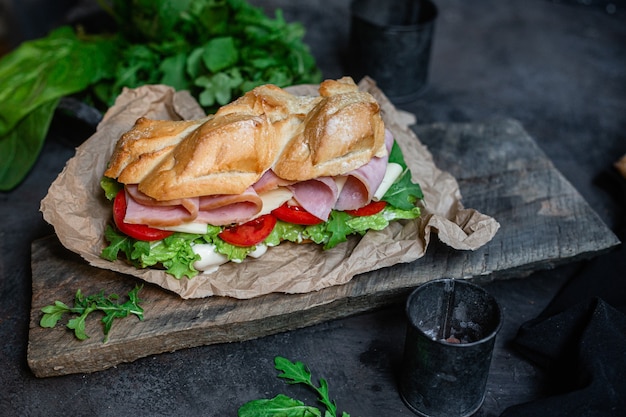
[(33, 78), (21, 146)]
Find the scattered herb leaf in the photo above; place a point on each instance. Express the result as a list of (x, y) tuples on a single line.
[(284, 406), (85, 305)]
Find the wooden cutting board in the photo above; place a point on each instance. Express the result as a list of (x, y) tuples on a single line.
[(501, 173)]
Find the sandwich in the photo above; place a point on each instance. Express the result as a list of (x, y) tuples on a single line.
[(269, 168)]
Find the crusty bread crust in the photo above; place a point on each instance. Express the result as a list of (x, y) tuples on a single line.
[(341, 133), (141, 149), (298, 137)]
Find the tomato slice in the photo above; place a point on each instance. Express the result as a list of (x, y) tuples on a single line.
[(249, 233), (295, 214), (137, 231), (368, 209)]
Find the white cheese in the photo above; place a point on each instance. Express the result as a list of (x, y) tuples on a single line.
[(209, 258), (273, 199), (340, 181), (391, 175), (191, 227)]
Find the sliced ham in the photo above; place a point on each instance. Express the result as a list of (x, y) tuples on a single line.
[(156, 215), (362, 183), (270, 181), (217, 201), (226, 215), (190, 204), (216, 210), (316, 196), (221, 210)]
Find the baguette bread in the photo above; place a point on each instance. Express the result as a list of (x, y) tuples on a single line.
[(298, 137)]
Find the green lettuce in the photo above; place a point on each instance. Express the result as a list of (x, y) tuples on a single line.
[(33, 78)]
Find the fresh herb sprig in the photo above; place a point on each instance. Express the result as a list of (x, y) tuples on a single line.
[(85, 305), (284, 406)]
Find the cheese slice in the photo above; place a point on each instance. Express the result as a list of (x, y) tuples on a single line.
[(273, 199), (190, 227), (391, 175)]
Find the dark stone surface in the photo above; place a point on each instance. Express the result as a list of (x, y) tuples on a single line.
[(558, 67)]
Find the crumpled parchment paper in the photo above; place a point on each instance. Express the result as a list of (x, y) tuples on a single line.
[(75, 205)]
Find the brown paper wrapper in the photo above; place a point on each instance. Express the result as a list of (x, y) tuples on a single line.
[(75, 205)]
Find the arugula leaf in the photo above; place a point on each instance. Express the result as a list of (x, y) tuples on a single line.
[(85, 305), (281, 405), (118, 242), (403, 193), (298, 373)]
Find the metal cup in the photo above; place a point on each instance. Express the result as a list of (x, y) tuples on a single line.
[(452, 327), (390, 42)]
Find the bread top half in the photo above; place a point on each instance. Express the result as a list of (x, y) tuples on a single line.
[(298, 137)]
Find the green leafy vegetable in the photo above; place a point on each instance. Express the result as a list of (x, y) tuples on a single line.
[(110, 186), (85, 305), (32, 80), (403, 193), (284, 406), (216, 49), (22, 144)]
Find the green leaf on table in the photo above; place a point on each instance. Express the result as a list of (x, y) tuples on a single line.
[(85, 305), (284, 406), (281, 405)]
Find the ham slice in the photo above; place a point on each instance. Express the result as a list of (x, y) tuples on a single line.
[(226, 215), (363, 182), (190, 204), (222, 210), (316, 196), (216, 210), (270, 181), (155, 215)]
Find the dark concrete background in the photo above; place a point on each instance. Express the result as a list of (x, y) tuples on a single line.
[(558, 67)]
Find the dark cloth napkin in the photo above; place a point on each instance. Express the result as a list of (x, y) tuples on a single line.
[(579, 340)]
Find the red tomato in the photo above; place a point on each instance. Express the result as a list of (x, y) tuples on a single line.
[(249, 233), (295, 215), (138, 231), (369, 209)]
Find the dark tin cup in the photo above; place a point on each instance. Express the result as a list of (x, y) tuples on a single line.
[(452, 327), (390, 42)]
